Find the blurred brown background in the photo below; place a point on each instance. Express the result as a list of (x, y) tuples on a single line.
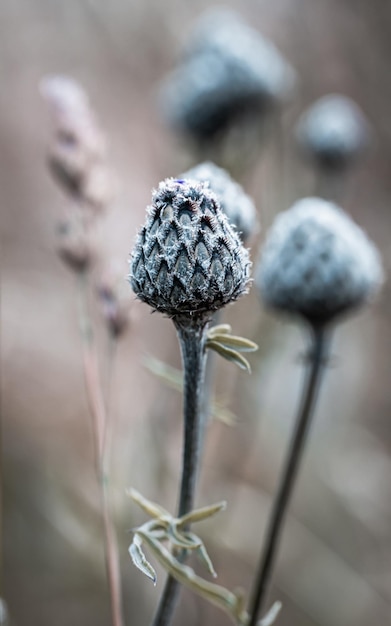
[(334, 567)]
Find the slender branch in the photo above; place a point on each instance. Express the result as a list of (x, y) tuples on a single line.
[(192, 341), (91, 369), (102, 439), (289, 473)]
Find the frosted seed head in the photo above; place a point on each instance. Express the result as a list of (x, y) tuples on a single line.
[(187, 258), (235, 203), (229, 71), (317, 263), (333, 132)]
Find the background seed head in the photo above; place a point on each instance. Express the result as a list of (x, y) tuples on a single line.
[(228, 71), (187, 258), (317, 263), (235, 203), (333, 132)]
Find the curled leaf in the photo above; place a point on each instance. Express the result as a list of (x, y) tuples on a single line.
[(205, 559), (186, 541), (184, 574), (139, 559), (230, 355)]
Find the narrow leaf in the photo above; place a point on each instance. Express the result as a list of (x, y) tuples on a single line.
[(139, 559), (271, 615), (180, 540), (173, 378), (150, 508), (230, 355), (240, 343), (215, 594), (205, 559), (170, 375), (200, 514), (219, 329)]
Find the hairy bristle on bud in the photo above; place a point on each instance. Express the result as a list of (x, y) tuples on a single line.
[(187, 258)]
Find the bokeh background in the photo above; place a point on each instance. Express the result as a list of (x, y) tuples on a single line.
[(334, 567)]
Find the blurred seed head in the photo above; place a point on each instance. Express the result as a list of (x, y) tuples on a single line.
[(317, 263), (228, 71), (333, 132), (77, 150), (115, 300), (187, 259), (74, 244), (234, 202)]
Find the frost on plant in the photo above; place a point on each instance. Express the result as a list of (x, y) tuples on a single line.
[(187, 258), (317, 263)]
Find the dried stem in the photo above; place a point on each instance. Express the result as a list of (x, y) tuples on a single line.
[(192, 339), (317, 360), (101, 425)]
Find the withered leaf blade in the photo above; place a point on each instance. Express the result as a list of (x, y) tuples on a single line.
[(139, 559), (241, 344), (230, 355)]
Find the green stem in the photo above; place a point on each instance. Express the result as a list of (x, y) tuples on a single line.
[(192, 337), (289, 474)]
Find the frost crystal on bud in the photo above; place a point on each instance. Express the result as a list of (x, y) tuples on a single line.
[(333, 132), (187, 258), (317, 263), (235, 203)]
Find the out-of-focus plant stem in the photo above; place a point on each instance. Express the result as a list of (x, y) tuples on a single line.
[(316, 362), (101, 426), (192, 341)]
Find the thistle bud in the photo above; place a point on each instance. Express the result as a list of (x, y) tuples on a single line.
[(333, 132), (187, 259), (317, 263), (235, 203)]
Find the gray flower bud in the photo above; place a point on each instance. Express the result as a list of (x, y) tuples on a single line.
[(229, 71), (317, 263), (187, 258), (333, 132), (235, 203)]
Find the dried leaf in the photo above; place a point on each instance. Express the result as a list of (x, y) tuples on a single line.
[(271, 615), (230, 355), (185, 541), (184, 574), (205, 559), (232, 341), (150, 508), (219, 329), (139, 559), (198, 515), (170, 375)]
